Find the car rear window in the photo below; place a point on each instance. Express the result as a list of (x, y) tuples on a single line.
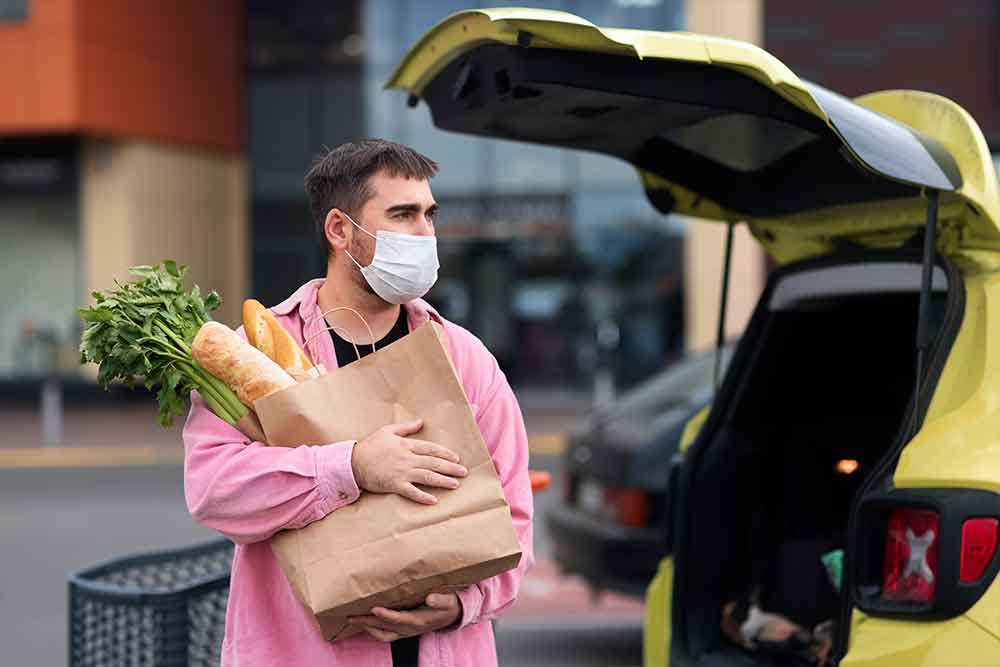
[(760, 141)]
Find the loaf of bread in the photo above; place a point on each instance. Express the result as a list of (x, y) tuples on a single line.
[(266, 334), (247, 370)]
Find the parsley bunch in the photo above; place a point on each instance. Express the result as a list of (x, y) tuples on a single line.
[(145, 328)]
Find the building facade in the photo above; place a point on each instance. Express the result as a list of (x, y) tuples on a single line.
[(121, 143)]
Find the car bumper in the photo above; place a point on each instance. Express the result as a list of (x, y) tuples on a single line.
[(958, 642), (607, 555)]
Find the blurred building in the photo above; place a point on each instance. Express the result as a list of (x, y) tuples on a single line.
[(136, 131), (122, 142), (950, 47)]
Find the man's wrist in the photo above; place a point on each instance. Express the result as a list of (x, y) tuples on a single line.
[(355, 472)]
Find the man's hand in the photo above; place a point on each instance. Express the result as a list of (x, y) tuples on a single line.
[(389, 461), (439, 611)]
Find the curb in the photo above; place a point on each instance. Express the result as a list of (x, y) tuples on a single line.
[(21, 458)]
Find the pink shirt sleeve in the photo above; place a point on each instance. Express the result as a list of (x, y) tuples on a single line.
[(248, 491), (502, 425)]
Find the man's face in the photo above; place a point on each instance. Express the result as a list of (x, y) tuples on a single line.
[(398, 205)]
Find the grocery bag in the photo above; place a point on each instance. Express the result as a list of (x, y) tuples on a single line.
[(385, 550)]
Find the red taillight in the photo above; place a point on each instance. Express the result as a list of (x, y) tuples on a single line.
[(979, 541), (628, 506), (540, 480), (911, 551)]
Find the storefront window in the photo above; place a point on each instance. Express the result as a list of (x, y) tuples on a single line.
[(13, 10), (304, 94), (40, 254)]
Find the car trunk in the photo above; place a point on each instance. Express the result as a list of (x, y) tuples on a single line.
[(723, 131), (823, 380)]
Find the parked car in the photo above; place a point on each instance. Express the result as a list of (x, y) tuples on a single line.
[(612, 528), (862, 403)]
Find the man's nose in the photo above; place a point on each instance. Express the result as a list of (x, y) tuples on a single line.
[(426, 227)]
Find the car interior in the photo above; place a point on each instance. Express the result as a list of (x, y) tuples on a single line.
[(829, 378)]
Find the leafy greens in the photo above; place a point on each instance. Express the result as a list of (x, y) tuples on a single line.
[(145, 328)]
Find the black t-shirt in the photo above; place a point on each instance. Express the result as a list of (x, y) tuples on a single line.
[(345, 350), (405, 652)]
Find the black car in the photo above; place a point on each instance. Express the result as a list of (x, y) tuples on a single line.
[(611, 528)]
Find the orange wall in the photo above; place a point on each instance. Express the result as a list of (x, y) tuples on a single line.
[(165, 71), (39, 50)]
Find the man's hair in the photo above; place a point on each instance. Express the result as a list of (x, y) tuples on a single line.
[(341, 178)]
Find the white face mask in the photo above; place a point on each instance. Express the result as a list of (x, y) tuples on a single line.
[(405, 266)]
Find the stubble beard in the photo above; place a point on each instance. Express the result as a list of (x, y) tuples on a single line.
[(358, 251)]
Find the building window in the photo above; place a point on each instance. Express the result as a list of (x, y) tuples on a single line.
[(13, 10)]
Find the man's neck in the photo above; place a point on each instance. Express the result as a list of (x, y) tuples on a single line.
[(339, 292)]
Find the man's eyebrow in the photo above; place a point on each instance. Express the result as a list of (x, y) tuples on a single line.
[(411, 208), (404, 208)]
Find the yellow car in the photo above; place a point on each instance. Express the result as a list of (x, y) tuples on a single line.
[(860, 414)]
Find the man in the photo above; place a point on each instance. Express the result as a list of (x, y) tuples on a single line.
[(373, 206)]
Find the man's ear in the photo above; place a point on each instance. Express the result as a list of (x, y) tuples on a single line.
[(336, 229)]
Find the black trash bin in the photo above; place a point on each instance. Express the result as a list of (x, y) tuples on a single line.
[(159, 608)]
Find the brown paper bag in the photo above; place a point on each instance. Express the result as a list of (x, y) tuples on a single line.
[(385, 550)]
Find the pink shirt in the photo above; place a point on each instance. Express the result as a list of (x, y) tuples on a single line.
[(249, 491)]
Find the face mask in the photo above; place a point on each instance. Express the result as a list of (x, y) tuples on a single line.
[(405, 266)]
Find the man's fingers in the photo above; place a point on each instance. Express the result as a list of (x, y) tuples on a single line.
[(441, 466), (394, 617), (426, 448), (407, 622), (439, 601), (382, 635), (372, 621), (407, 490), (365, 620), (405, 429), (428, 478)]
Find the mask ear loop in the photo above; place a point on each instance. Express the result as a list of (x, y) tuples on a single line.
[(340, 331)]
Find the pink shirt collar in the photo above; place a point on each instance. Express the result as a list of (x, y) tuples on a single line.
[(305, 300)]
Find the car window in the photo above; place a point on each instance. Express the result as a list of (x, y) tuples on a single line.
[(761, 140), (691, 376)]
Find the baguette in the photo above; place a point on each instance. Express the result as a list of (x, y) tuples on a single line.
[(247, 370), (265, 332)]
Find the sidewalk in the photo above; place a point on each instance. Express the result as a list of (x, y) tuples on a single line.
[(116, 434)]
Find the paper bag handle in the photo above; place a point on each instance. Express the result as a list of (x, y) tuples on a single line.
[(338, 330)]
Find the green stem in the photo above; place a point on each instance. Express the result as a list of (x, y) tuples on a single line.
[(184, 347), (218, 402), (220, 411), (235, 407), (208, 384), (168, 353), (234, 404)]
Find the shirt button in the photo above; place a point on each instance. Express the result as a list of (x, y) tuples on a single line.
[(343, 496)]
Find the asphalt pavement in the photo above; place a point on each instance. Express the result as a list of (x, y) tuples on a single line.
[(56, 520)]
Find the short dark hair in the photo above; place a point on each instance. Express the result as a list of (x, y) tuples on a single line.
[(340, 178)]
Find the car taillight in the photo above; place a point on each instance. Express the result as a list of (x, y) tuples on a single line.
[(628, 506), (911, 555), (979, 541)]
